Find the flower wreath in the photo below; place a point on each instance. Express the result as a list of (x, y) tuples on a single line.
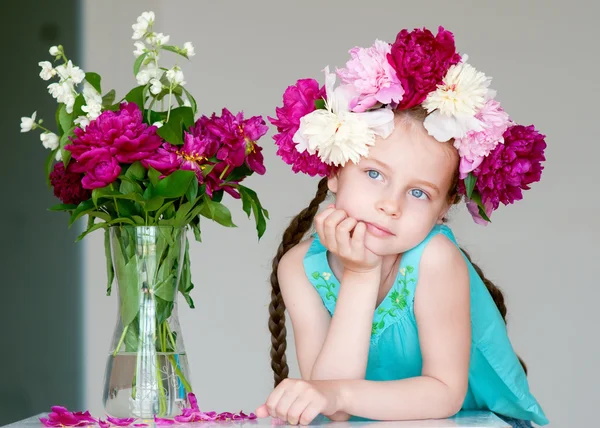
[(321, 128)]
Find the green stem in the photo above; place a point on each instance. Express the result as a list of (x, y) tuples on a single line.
[(112, 186), (185, 382), (170, 98), (121, 340)]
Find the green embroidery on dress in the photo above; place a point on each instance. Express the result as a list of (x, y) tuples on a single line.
[(398, 299), (329, 286)]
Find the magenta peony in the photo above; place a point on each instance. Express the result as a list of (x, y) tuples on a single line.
[(100, 168), (511, 167), (122, 132), (66, 184), (372, 77), (421, 61), (298, 101), (238, 137)]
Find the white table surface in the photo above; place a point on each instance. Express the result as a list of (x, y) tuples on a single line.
[(464, 419)]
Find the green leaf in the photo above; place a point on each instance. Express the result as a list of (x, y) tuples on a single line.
[(63, 207), (79, 102), (477, 198), (138, 220), (172, 131), (64, 141), (470, 184), (250, 201), (166, 289), (129, 286), (192, 192), (94, 80), (320, 103), (131, 337), (129, 185), (65, 119), (82, 209), (154, 176), (182, 212), (110, 272), (174, 185), (106, 192), (216, 211), (136, 95), (239, 173), (155, 203), (192, 101), (48, 165), (138, 63), (174, 49), (90, 230), (162, 209), (197, 232), (99, 214), (108, 98), (185, 282)]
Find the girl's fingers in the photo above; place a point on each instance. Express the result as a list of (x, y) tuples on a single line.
[(329, 227), (357, 242), (342, 236)]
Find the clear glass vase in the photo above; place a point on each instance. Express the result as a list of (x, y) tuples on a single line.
[(147, 372)]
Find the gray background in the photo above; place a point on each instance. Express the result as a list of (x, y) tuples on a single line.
[(541, 251)]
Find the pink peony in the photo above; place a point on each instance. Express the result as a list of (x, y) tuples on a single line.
[(100, 168), (421, 61), (298, 101), (477, 145), (238, 137), (67, 184), (511, 167), (122, 132), (372, 77), (165, 160)]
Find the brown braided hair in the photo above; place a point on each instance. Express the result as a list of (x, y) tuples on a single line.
[(292, 236)]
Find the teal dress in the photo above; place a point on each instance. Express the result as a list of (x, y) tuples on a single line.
[(497, 382)]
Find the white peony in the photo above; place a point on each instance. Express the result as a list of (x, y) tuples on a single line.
[(338, 135), (453, 105)]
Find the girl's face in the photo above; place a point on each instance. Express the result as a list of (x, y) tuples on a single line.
[(400, 190)]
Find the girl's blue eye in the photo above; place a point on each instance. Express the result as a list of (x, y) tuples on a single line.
[(373, 174), (418, 193)]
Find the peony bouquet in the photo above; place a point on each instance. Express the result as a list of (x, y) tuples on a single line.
[(146, 159)]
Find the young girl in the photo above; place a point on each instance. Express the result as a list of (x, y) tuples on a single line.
[(391, 319)]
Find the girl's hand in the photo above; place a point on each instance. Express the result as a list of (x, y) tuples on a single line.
[(344, 236), (297, 401)]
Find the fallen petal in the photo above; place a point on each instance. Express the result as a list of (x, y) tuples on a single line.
[(103, 424), (193, 401), (163, 421), (121, 422)]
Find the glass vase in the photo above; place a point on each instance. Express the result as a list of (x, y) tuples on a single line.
[(147, 372)]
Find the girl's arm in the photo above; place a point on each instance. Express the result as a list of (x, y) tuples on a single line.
[(442, 310)]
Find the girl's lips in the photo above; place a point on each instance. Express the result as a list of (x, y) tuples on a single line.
[(378, 230)]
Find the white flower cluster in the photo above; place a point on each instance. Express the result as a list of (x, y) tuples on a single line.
[(147, 45), (69, 76)]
